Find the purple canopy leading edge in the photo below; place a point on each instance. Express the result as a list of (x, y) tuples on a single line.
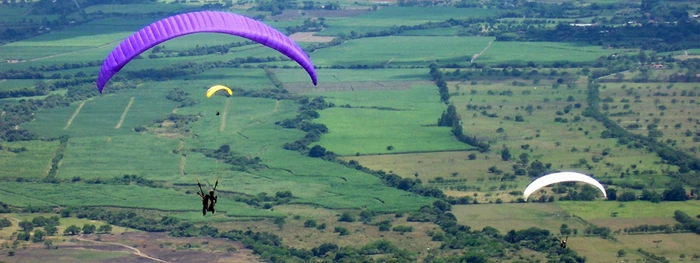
[(200, 22)]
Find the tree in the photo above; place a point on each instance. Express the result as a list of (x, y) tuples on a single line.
[(564, 229), (48, 243), (621, 253), (71, 230), (505, 154), (39, 221), (676, 193), (317, 151), (38, 236), (627, 196), (4, 222), (611, 193), (23, 235), (50, 230), (88, 229), (26, 226), (346, 217), (524, 158), (106, 228), (310, 223)]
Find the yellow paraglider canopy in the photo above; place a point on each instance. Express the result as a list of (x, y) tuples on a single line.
[(214, 89)]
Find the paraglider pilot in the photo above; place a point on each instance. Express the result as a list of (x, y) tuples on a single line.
[(208, 200), (562, 243)]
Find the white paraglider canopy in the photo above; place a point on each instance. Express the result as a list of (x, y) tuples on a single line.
[(561, 177)]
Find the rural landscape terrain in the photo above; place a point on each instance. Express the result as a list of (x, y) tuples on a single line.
[(428, 121)]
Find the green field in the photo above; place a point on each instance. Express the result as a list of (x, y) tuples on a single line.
[(544, 52), (387, 17), (594, 210), (408, 128), (15, 84), (34, 163), (394, 49), (383, 113)]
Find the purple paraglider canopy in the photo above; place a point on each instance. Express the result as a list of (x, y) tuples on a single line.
[(200, 22)]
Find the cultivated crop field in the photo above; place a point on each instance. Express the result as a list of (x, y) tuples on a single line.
[(393, 49), (544, 52), (404, 127), (387, 17), (385, 104)]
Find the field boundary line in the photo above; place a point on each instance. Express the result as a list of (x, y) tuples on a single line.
[(136, 250), (223, 116), (126, 110), (72, 117)]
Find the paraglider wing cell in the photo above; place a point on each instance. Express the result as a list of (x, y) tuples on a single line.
[(561, 177), (200, 22), (216, 88)]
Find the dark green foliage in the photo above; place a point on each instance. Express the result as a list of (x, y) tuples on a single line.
[(182, 96)]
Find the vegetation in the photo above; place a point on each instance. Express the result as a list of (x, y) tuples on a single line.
[(428, 121)]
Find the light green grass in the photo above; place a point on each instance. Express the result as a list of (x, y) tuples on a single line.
[(387, 17), (369, 131), (31, 164), (125, 196), (138, 8), (326, 76), (636, 209), (16, 84), (401, 50), (544, 52), (505, 217), (100, 157)]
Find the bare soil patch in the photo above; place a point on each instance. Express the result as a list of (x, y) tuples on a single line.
[(158, 246), (299, 87)]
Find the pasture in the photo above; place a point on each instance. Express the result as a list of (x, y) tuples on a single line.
[(31, 163), (394, 49), (122, 196), (295, 234), (447, 166), (636, 209), (387, 17), (489, 110), (64, 222), (670, 109), (98, 148), (669, 246), (541, 52), (505, 217), (408, 125), (16, 84)]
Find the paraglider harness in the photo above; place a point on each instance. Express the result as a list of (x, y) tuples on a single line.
[(208, 200), (562, 243)]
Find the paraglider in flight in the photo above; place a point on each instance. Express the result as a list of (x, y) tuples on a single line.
[(562, 243), (216, 88), (208, 200), (558, 178), (200, 22)]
